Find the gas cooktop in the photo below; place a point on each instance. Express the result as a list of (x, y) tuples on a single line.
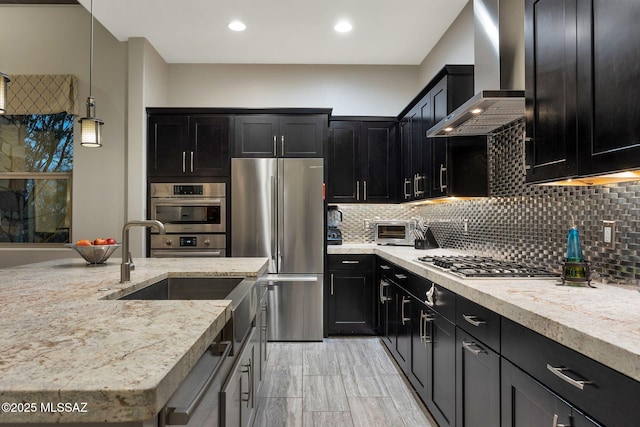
[(484, 267)]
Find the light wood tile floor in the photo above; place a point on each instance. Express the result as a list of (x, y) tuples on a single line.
[(339, 382)]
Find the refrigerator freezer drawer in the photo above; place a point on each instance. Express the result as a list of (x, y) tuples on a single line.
[(295, 308)]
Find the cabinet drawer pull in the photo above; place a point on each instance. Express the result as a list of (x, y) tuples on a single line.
[(400, 276), (473, 348), (385, 267), (559, 372), (350, 262), (555, 422), (473, 320)]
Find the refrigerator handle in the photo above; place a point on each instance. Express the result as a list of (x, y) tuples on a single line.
[(274, 189)]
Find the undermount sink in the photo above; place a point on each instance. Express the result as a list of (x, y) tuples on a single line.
[(187, 288)]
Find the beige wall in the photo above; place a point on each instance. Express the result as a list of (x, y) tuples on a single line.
[(454, 47), (348, 89), (148, 83), (32, 44)]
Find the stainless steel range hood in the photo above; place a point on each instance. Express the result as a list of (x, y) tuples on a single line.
[(498, 72)]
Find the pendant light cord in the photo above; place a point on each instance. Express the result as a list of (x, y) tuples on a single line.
[(91, 53)]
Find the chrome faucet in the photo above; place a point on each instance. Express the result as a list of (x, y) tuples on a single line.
[(127, 260)]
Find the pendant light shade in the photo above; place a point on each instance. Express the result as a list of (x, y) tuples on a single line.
[(90, 126), (4, 79)]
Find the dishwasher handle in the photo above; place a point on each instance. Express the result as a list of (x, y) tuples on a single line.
[(180, 416)]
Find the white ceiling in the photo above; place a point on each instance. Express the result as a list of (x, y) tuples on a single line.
[(282, 31)]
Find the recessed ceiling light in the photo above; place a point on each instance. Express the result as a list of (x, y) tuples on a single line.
[(343, 27), (237, 26)]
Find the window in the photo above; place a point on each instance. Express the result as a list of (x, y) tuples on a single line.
[(36, 163)]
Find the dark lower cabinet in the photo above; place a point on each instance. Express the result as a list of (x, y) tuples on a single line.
[(384, 301), (477, 382), (351, 295), (422, 341), (527, 403)]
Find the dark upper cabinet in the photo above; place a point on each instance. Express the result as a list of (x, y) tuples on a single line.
[(188, 145), (351, 295), (422, 156), (362, 162), (274, 135), (582, 103)]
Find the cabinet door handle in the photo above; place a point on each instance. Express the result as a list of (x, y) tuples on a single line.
[(191, 162), (282, 146), (415, 185), (473, 320), (555, 422), (430, 294), (559, 372), (407, 194), (275, 139), (357, 190), (443, 170), (473, 348), (350, 262), (184, 162), (425, 321), (383, 297), (248, 393), (364, 189), (331, 284), (404, 301)]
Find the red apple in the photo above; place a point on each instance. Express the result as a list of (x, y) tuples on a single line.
[(111, 241), (99, 241)]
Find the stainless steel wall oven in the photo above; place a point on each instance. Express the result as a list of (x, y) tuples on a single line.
[(194, 216)]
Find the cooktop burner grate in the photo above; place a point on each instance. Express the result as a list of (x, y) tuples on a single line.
[(484, 267)]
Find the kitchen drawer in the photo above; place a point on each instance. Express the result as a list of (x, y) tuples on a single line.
[(478, 321), (350, 262), (610, 398), (439, 299)]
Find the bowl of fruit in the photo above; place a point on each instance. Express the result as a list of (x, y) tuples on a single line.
[(95, 251)]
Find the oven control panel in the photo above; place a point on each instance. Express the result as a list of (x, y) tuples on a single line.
[(187, 190)]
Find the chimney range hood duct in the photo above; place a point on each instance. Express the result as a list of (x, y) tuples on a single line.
[(498, 72)]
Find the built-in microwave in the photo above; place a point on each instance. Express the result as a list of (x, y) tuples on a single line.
[(394, 232)]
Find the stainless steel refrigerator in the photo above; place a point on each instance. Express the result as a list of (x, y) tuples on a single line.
[(277, 211)]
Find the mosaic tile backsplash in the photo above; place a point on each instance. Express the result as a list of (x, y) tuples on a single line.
[(525, 223)]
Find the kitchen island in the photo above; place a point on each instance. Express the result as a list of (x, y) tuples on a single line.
[(602, 323), (66, 339)]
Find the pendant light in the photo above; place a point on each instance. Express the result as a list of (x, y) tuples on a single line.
[(90, 126), (4, 79)]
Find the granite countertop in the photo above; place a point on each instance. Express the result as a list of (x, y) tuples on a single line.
[(602, 323), (65, 339)]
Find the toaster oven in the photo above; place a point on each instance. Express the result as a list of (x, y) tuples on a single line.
[(394, 232)]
